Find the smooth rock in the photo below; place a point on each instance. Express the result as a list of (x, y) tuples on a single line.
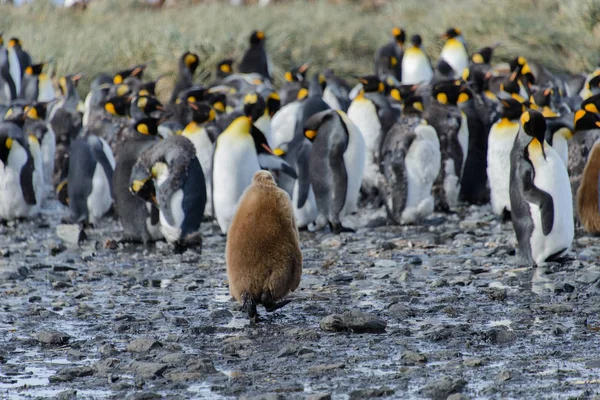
[(143, 344), (442, 388), (52, 337), (147, 369)]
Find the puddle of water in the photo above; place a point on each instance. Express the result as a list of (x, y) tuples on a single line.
[(203, 391), (36, 376)]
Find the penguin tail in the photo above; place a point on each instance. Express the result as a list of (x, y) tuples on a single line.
[(249, 305)]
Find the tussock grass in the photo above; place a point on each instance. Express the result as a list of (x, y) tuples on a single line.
[(114, 34)]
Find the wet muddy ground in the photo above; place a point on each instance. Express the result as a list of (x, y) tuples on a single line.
[(439, 310)]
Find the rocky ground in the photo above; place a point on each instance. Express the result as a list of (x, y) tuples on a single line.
[(440, 310)]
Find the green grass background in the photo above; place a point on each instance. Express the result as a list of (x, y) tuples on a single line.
[(114, 34)]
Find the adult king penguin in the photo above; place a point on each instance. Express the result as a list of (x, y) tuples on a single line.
[(454, 51), (540, 194), (416, 67), (255, 59)]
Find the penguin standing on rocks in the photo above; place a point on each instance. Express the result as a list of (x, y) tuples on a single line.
[(410, 162), (454, 51), (500, 143), (42, 130), (540, 195), (255, 59), (188, 63), (388, 58), (240, 151), (17, 174), (337, 161), (416, 67), (89, 179), (170, 175), (451, 125), (139, 218), (263, 256), (588, 194)]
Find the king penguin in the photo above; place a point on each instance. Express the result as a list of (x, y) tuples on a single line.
[(586, 133), (188, 63), (36, 113), (410, 162), (588, 194), (540, 194), (170, 175), (336, 166), (89, 179), (18, 61), (388, 58), (139, 218), (255, 59), (559, 130), (17, 174), (416, 67), (240, 151), (454, 51), (263, 256), (500, 143), (37, 85)]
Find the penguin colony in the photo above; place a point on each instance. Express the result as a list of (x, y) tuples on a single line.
[(414, 137)]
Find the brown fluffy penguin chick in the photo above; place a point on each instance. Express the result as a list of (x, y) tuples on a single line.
[(264, 261), (588, 208)]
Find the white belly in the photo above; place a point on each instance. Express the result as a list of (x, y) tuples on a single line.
[(422, 164), (463, 140), (308, 213), (153, 230), (41, 189), (363, 114), (416, 68), (172, 233), (48, 147), (99, 200), (331, 100), (14, 68), (88, 109), (45, 89), (457, 57), (283, 124), (12, 203), (498, 167), (354, 160), (264, 125), (204, 152), (234, 166), (560, 144), (451, 183), (551, 176)]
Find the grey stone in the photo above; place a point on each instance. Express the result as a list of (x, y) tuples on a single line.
[(319, 396), (67, 395), (326, 368), (414, 357), (147, 369), (333, 323), (52, 337), (383, 391), (503, 376), (361, 322), (68, 374), (143, 344), (442, 388), (473, 362), (500, 335)]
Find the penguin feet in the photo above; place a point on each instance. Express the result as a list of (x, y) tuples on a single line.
[(249, 306), (338, 228), (179, 248), (82, 237), (270, 307), (506, 216)]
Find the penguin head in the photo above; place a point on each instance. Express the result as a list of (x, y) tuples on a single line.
[(447, 92), (218, 101), (399, 93), (257, 38), (483, 56), (297, 74), (202, 113), (452, 33), (67, 81), (585, 120), (36, 132), (371, 83), (560, 125), (5, 146), (511, 86), (147, 126), (520, 65), (594, 83), (273, 103), (542, 97), (36, 111), (254, 106), (14, 42), (282, 149), (416, 41), (117, 106), (119, 90), (147, 104), (35, 69), (225, 67), (141, 183), (148, 88), (15, 115), (413, 104), (399, 35), (534, 125), (190, 61), (592, 104), (465, 94), (136, 72), (193, 95), (511, 109)]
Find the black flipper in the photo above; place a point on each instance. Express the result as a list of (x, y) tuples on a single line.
[(26, 180), (194, 198), (542, 199), (302, 166)]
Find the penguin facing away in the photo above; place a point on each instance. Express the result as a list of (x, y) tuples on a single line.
[(388, 58), (188, 63), (17, 190), (89, 179), (263, 256), (500, 143), (336, 166), (170, 175), (540, 195), (410, 162), (588, 194), (255, 59)]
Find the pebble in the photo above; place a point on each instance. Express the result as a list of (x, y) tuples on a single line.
[(442, 388), (383, 391), (413, 357)]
